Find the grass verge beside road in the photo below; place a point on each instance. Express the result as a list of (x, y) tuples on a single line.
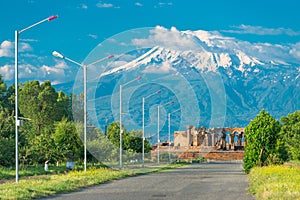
[(55, 184), (275, 182), (6, 173)]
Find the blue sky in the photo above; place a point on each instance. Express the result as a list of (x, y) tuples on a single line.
[(83, 24)]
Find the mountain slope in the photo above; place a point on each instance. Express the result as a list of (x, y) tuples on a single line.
[(224, 83)]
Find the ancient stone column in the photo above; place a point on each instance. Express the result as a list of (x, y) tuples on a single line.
[(231, 141), (223, 139), (188, 134), (239, 141)]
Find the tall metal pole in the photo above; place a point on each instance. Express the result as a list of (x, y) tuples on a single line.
[(169, 132), (57, 54), (85, 112), (158, 137), (121, 130), (143, 129), (158, 129), (143, 121), (121, 112), (169, 135), (18, 122), (16, 105)]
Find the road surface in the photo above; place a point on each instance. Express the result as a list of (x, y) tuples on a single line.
[(208, 181)]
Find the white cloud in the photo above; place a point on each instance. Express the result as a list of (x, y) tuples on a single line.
[(172, 39), (262, 51), (61, 65), (214, 41), (27, 71), (83, 6), (295, 50), (23, 47), (7, 44), (259, 30), (60, 72), (163, 68), (138, 4), (51, 71), (163, 4), (93, 36), (6, 49), (28, 40), (7, 72), (104, 5)]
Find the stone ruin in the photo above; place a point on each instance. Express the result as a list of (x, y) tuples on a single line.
[(219, 138)]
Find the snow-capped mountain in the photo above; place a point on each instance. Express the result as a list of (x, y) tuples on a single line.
[(217, 80)]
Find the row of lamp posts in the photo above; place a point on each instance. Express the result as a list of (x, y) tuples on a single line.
[(84, 66), (143, 124)]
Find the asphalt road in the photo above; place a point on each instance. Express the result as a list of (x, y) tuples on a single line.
[(209, 181)]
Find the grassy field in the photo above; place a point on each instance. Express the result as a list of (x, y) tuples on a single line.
[(275, 182), (42, 186), (6, 173)]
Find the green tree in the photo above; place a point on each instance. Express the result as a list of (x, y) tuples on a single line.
[(39, 103), (113, 133), (130, 141), (290, 131), (67, 141), (43, 106), (134, 142), (77, 107), (102, 148), (2, 89), (6, 127), (261, 137)]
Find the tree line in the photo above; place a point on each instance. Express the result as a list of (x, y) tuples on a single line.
[(270, 141), (49, 131)]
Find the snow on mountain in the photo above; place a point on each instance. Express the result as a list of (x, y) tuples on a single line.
[(213, 51), (251, 80)]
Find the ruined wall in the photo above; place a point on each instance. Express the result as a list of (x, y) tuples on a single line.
[(209, 137), (225, 155), (180, 139), (213, 155)]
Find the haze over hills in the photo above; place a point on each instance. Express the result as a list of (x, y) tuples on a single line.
[(219, 81)]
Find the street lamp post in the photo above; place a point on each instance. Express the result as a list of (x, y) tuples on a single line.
[(143, 124), (59, 55), (121, 130), (169, 132), (158, 128), (18, 122)]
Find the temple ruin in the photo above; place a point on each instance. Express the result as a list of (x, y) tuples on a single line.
[(213, 144), (220, 138)]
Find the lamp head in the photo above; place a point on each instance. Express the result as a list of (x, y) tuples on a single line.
[(52, 17), (56, 54)]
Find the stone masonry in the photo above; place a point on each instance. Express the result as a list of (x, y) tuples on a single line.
[(214, 143)]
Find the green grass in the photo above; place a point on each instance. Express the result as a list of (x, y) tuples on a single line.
[(275, 182), (297, 162), (6, 173), (61, 183)]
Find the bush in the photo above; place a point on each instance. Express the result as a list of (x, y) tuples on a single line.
[(262, 140)]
